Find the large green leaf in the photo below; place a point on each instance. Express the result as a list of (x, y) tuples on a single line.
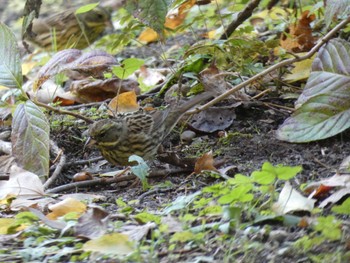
[(324, 105), (150, 12), (10, 62), (30, 139)]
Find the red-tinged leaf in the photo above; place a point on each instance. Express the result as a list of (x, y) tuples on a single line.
[(322, 190), (325, 101), (334, 8), (55, 65), (30, 139), (93, 63)]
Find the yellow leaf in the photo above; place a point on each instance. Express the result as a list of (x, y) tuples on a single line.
[(115, 244), (5, 223), (66, 206), (124, 102), (301, 71), (148, 35)]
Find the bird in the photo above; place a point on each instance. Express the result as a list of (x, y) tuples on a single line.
[(67, 29), (138, 133)]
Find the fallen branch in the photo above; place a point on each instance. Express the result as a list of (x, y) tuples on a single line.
[(281, 64), (62, 160), (109, 181)]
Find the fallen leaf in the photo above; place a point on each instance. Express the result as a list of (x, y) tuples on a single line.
[(125, 102), (92, 224), (21, 184), (213, 119), (110, 244), (290, 201), (66, 206), (93, 90), (301, 70), (205, 162), (174, 18), (298, 36), (137, 233)]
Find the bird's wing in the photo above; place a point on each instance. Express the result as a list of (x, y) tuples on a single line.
[(140, 122)]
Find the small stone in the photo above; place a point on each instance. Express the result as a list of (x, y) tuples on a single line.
[(187, 136)]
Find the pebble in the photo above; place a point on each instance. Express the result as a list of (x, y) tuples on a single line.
[(187, 136)]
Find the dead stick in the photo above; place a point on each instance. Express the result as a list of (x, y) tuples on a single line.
[(241, 17), (281, 64)]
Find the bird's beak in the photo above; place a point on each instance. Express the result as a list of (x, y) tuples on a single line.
[(89, 143), (109, 25)]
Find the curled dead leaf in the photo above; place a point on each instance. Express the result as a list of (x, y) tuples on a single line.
[(205, 162)]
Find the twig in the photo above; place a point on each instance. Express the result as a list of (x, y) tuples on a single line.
[(81, 162), (62, 160), (60, 111), (274, 67), (241, 17), (99, 181), (154, 191), (109, 181)]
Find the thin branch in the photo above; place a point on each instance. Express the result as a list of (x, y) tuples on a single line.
[(59, 111), (62, 161), (115, 179), (281, 64), (241, 17)]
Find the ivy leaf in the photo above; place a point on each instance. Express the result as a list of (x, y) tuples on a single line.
[(30, 139), (10, 63), (324, 105)]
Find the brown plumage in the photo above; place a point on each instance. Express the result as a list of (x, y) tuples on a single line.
[(69, 30), (139, 132)]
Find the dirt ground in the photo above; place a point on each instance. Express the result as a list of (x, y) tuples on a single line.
[(249, 143)]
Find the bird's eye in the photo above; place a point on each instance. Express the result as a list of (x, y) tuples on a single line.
[(100, 16), (102, 134)]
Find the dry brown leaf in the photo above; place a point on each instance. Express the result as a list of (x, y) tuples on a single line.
[(92, 90), (206, 162), (92, 224), (125, 102), (298, 37)]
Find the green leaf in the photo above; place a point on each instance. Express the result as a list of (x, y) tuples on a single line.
[(287, 172), (30, 139), (266, 175), (128, 67), (10, 63), (147, 217), (343, 209), (329, 227), (86, 8), (238, 194), (325, 101), (152, 13)]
